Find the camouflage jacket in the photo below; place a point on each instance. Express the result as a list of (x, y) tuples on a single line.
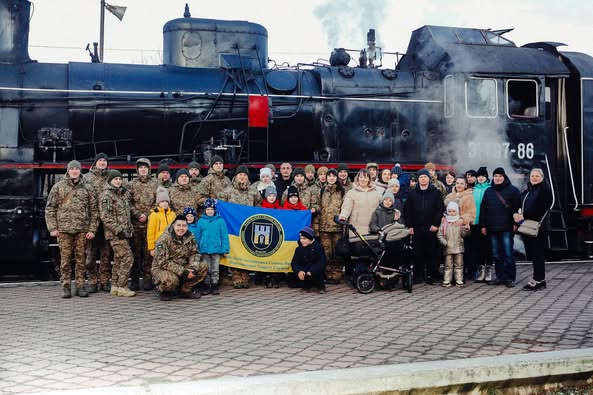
[(440, 186), (71, 207), (114, 209), (212, 185), (97, 180), (313, 190), (195, 181), (175, 254), (165, 184), (182, 196), (143, 194), (241, 194), (304, 194), (330, 205), (348, 185)]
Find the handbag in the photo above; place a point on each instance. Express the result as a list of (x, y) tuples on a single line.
[(530, 227)]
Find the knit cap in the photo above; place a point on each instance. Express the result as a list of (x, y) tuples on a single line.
[(214, 159), (163, 168), (332, 171), (180, 173), (342, 166), (397, 169), (388, 195), (500, 171), (210, 203), (271, 167), (423, 172), (292, 191), (265, 171), (242, 169), (482, 171), (100, 155), (299, 170), (189, 210), (471, 172), (322, 170), (194, 165), (162, 195), (309, 168), (307, 232), (430, 166), (113, 174), (392, 182), (74, 164), (453, 205), (143, 162), (271, 190)]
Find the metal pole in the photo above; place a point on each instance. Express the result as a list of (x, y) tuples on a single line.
[(102, 31)]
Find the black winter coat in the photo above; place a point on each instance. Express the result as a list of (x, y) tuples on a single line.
[(494, 215), (424, 208), (309, 259), (536, 201)]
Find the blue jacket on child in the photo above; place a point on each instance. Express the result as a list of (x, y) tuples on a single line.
[(212, 235)]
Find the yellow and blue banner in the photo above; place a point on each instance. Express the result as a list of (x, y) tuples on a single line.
[(262, 239)]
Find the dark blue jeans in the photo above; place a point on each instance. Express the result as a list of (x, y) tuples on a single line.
[(502, 253)]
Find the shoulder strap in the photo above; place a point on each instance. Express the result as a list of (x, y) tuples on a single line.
[(506, 205)]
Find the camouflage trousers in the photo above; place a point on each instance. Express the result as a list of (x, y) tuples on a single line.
[(167, 281), (334, 264), (240, 276), (72, 244), (122, 262), (142, 258), (101, 246)]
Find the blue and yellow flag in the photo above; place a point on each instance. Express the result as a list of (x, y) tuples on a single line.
[(261, 239)]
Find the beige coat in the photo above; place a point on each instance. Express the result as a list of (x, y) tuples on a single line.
[(359, 205)]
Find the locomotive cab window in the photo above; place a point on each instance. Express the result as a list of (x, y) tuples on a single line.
[(481, 98), (522, 99)]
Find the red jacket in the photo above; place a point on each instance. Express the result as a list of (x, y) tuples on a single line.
[(299, 206)]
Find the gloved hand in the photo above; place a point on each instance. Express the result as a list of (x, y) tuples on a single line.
[(122, 235)]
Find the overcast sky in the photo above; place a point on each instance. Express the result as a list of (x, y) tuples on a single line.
[(299, 31)]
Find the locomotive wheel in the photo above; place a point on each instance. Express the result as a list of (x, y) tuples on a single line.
[(408, 282), (365, 283)]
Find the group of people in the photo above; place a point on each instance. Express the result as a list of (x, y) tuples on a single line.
[(167, 230)]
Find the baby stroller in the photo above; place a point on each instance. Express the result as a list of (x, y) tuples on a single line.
[(381, 260)]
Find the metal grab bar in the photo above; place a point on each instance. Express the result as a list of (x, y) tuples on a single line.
[(574, 192)]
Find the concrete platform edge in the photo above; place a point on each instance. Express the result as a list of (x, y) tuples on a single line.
[(380, 379)]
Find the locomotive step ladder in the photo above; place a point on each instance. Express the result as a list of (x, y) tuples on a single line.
[(558, 235)]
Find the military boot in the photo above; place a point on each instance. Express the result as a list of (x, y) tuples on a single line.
[(92, 288), (125, 291), (481, 275), (135, 284), (82, 292), (66, 293), (147, 284), (215, 290), (106, 287)]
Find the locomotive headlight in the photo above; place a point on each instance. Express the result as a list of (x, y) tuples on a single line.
[(19, 211)]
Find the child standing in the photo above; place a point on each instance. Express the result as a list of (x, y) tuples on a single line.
[(451, 234), (192, 220), (271, 198), (159, 219), (212, 238), (293, 201)]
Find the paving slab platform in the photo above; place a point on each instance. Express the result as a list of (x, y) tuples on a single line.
[(47, 343)]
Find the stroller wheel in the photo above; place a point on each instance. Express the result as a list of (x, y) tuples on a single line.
[(408, 282), (365, 283)]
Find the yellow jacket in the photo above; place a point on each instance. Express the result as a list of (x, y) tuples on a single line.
[(158, 220)]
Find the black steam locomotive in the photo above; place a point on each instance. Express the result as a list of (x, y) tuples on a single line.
[(459, 97)]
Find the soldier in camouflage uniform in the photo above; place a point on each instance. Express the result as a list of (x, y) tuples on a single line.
[(432, 171), (313, 189), (114, 208), (181, 194), (241, 193), (194, 174), (177, 262), (214, 183), (143, 193), (96, 178), (331, 200), (163, 175), (343, 177), (71, 216)]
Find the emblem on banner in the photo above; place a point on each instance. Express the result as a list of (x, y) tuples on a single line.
[(262, 235)]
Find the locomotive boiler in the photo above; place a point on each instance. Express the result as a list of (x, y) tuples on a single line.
[(459, 97)]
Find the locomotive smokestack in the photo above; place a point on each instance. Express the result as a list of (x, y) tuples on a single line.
[(371, 49), (14, 31)]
